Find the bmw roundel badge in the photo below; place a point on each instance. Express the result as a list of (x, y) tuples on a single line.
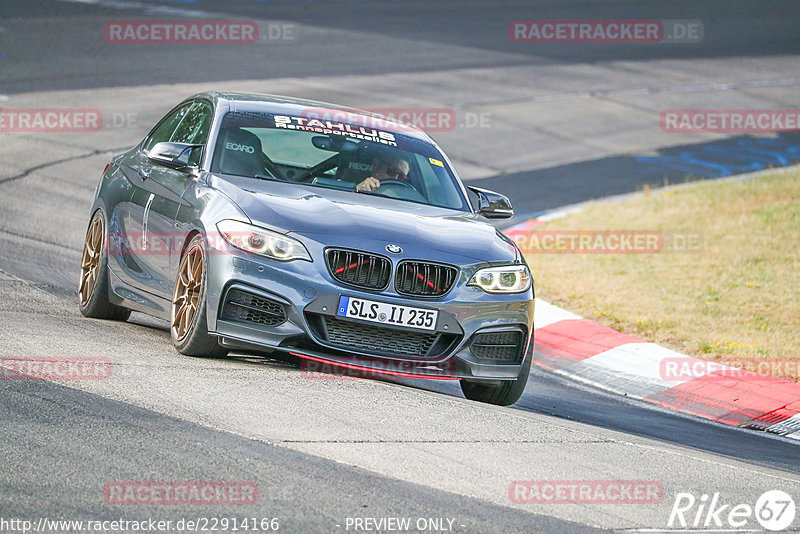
[(394, 249)]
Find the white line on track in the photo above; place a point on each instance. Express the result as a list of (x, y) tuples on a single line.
[(633, 91), (148, 8), (697, 88)]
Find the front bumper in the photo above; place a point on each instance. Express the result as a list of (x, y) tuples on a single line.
[(308, 297)]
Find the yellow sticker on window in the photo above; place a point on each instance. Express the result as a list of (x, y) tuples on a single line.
[(436, 162)]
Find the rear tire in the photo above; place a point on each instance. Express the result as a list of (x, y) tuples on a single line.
[(507, 393), (188, 323), (93, 287)]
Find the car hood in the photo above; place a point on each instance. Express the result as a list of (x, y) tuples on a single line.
[(343, 218)]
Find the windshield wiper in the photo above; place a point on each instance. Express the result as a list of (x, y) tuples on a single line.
[(267, 177), (367, 192), (373, 193)]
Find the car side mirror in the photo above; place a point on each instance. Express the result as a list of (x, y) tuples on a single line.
[(173, 155), (492, 205)]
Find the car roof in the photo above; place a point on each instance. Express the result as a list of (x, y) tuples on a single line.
[(284, 105)]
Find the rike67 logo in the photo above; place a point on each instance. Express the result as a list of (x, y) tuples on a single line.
[(774, 511)]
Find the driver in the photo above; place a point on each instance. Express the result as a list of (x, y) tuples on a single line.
[(385, 168)]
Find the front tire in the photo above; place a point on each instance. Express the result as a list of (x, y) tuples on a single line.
[(93, 287), (507, 393), (188, 323)]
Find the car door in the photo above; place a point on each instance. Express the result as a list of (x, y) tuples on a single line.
[(167, 186), (131, 243), (149, 216)]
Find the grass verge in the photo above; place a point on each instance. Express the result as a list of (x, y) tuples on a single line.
[(725, 286)]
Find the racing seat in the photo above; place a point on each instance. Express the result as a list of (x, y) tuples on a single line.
[(240, 153), (355, 167)]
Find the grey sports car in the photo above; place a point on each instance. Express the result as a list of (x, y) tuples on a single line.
[(263, 223)]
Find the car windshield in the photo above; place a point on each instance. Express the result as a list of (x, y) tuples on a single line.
[(336, 155)]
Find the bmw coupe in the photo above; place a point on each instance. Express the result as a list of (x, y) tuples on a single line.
[(263, 223)]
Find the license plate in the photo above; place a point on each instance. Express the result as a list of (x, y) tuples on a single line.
[(383, 313)]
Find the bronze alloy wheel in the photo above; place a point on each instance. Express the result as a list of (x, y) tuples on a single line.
[(90, 263), (186, 299)]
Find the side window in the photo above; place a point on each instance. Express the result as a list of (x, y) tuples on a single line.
[(194, 129), (163, 131), (195, 125)]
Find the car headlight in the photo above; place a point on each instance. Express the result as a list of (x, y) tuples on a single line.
[(261, 241), (505, 279)]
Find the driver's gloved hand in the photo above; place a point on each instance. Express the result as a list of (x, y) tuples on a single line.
[(369, 184)]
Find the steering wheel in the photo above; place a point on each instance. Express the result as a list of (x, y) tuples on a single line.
[(390, 183), (399, 187)]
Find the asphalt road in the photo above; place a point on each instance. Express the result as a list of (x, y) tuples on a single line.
[(86, 440), (563, 124)]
